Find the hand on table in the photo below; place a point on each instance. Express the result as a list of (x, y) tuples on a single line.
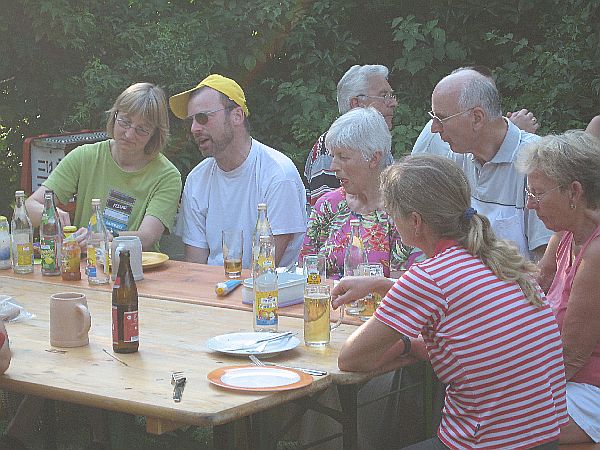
[(525, 120)]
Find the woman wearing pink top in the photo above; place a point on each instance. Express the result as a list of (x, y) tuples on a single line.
[(563, 176), (472, 309)]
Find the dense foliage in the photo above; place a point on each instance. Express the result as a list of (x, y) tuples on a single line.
[(63, 62)]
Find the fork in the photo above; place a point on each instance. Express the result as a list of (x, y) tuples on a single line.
[(315, 372)]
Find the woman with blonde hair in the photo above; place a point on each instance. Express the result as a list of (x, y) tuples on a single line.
[(563, 177), (472, 309)]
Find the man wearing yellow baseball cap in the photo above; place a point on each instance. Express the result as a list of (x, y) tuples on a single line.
[(238, 173)]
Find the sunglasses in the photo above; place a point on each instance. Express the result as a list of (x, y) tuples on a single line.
[(201, 118)]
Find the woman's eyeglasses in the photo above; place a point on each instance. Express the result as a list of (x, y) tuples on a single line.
[(538, 197), (126, 125)]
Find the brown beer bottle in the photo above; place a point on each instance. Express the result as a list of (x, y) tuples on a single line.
[(125, 327)]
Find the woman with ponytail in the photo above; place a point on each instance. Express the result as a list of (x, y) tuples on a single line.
[(472, 309)]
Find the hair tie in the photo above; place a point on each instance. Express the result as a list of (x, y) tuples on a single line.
[(470, 212)]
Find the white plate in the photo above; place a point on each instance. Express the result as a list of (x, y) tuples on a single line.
[(259, 379), (225, 342)]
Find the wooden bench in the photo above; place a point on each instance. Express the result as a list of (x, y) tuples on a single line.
[(590, 446)]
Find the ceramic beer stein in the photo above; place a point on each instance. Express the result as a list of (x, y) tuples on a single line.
[(134, 245), (70, 320)]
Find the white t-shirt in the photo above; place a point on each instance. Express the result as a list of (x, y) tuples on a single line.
[(214, 200), (497, 188)]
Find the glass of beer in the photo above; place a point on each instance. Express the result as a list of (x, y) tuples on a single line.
[(314, 269), (317, 306), (233, 251), (371, 301)]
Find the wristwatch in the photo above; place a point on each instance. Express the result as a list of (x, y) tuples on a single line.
[(407, 344)]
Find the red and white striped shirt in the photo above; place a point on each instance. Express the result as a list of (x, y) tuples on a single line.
[(500, 356)]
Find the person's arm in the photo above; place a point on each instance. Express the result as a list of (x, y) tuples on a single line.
[(350, 289), (538, 253), (149, 232), (581, 326), (35, 207), (195, 254), (5, 354), (281, 243), (547, 263), (376, 346), (525, 120)]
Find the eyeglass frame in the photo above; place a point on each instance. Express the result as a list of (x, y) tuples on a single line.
[(126, 125), (538, 197), (206, 115), (435, 118), (389, 97)]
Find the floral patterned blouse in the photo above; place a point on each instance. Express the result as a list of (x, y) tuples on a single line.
[(329, 233)]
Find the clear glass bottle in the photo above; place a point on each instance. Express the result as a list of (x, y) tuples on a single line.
[(98, 270), (50, 237), (263, 227), (355, 256), (70, 269), (21, 237), (265, 286), (5, 262)]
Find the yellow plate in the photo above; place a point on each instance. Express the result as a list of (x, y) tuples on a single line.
[(153, 259)]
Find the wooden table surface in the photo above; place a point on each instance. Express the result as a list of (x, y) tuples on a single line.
[(172, 338), (178, 281)]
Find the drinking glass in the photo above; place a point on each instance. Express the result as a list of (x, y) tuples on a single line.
[(317, 307), (371, 301), (233, 251)]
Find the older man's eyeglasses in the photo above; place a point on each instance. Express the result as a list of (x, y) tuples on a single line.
[(538, 197), (201, 118), (389, 97), (440, 120), (126, 125)]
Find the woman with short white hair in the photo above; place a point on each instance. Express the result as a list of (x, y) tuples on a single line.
[(360, 144)]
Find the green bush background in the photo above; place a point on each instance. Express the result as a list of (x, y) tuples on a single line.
[(63, 62)]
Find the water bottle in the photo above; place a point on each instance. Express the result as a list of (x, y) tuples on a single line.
[(355, 256), (50, 237), (265, 285), (5, 262), (21, 237), (97, 247)]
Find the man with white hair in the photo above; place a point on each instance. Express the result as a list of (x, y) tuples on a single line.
[(361, 86), (467, 116)]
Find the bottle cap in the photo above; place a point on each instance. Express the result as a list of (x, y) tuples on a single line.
[(69, 229), (19, 193), (95, 201), (3, 218), (354, 222)]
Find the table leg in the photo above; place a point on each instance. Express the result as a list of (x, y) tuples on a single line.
[(348, 395)]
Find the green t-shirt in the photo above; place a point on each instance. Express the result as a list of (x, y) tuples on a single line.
[(90, 172)]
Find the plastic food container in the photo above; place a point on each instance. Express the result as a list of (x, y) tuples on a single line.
[(291, 289)]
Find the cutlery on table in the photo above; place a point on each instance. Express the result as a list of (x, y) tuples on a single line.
[(178, 381), (315, 372), (250, 345)]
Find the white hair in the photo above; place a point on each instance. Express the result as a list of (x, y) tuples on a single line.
[(363, 130), (356, 82)]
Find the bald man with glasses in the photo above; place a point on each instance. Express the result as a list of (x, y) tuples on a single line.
[(467, 126)]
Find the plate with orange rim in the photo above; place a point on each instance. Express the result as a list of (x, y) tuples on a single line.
[(153, 259), (259, 378)]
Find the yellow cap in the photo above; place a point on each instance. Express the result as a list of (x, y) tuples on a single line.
[(224, 85)]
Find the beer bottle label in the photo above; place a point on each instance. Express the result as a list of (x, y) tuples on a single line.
[(24, 252), (266, 308), (130, 326)]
